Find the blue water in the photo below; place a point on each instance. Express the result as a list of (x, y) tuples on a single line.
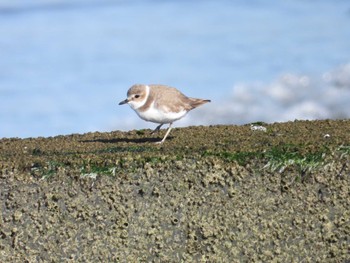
[(64, 65)]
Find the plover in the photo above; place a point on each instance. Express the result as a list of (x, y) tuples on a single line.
[(160, 104)]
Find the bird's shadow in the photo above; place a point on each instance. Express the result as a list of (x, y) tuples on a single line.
[(127, 140)]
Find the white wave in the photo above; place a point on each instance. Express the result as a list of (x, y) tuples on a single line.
[(287, 98)]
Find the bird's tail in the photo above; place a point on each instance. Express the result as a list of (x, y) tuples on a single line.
[(197, 102)]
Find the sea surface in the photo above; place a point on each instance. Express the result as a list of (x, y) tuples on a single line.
[(65, 65)]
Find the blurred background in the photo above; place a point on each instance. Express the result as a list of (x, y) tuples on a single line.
[(65, 64)]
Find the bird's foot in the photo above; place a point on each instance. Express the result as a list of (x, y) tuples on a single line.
[(157, 129)]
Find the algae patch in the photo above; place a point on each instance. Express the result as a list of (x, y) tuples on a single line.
[(209, 194)]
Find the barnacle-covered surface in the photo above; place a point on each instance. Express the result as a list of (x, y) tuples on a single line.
[(208, 194)]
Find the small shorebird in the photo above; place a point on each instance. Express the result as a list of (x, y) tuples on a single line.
[(160, 104)]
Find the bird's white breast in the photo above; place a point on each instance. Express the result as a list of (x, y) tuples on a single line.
[(154, 114)]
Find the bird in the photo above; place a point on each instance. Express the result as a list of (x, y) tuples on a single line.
[(160, 104)]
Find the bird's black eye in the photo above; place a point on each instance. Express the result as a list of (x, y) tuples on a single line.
[(137, 96)]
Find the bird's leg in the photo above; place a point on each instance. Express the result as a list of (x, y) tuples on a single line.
[(166, 134), (158, 128)]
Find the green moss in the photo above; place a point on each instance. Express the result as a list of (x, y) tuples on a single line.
[(153, 159), (242, 158), (278, 158), (344, 151), (282, 157), (140, 132), (48, 171), (132, 148)]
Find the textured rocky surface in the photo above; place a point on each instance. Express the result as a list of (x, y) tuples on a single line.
[(208, 194)]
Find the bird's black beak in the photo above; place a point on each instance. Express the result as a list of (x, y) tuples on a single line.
[(123, 102)]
